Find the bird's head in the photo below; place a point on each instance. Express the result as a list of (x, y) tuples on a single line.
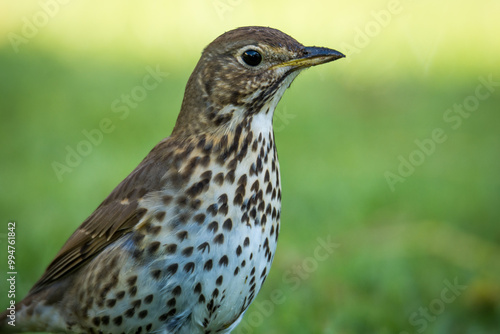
[(241, 73)]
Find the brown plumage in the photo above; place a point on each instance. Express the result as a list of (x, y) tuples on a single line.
[(184, 243)]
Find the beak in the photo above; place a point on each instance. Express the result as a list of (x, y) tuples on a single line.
[(313, 56)]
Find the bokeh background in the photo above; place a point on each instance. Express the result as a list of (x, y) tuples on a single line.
[(379, 234)]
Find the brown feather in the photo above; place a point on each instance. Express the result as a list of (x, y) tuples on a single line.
[(116, 216)]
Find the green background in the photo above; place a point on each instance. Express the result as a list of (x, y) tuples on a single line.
[(340, 129)]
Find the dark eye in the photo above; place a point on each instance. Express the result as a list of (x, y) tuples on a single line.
[(251, 57)]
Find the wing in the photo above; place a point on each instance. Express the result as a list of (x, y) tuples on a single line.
[(116, 216)]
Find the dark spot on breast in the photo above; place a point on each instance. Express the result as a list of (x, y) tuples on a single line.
[(260, 195), (143, 314), (166, 199), (197, 288), (230, 176), (154, 230), (118, 320), (205, 160), (208, 265), (232, 164), (267, 176), (137, 253), (224, 260), (219, 280), (187, 251), (199, 218), (171, 248), (131, 280), (130, 313), (222, 199), (137, 238), (204, 246), (240, 190), (223, 210), (197, 188), (259, 165), (228, 224), (207, 175), (213, 209), (255, 186), (269, 188), (182, 201), (244, 218), (263, 219), (177, 290), (183, 218), (148, 299), (252, 170), (219, 179), (171, 302), (172, 269), (242, 180), (195, 204), (255, 145), (111, 302), (189, 267), (213, 226), (160, 215), (182, 235), (164, 317), (253, 213), (219, 239), (153, 247), (156, 273), (238, 199)]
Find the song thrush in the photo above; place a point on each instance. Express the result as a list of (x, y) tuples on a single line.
[(184, 243)]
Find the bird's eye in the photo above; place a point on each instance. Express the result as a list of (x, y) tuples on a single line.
[(251, 57)]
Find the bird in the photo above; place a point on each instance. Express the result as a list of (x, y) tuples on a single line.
[(184, 243)]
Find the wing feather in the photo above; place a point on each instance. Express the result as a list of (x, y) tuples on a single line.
[(116, 216)]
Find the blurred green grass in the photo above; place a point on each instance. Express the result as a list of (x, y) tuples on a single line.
[(341, 127)]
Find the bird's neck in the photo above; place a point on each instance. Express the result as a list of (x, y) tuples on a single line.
[(205, 111)]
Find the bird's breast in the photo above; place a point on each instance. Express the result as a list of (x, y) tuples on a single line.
[(214, 239)]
